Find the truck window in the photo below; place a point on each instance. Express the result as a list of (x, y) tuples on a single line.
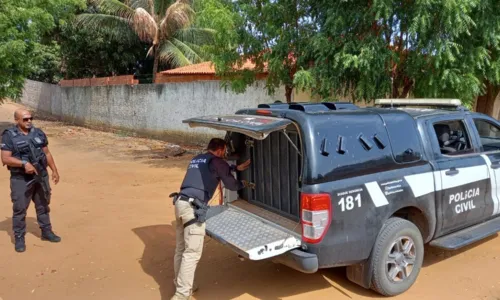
[(453, 137), (489, 135), (404, 137)]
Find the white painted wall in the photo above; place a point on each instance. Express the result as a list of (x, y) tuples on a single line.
[(157, 109)]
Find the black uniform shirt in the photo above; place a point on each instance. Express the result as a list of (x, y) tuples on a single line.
[(203, 190), (8, 145), (222, 169)]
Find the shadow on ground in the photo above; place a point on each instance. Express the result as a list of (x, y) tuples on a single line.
[(222, 275), (435, 255), (31, 228)]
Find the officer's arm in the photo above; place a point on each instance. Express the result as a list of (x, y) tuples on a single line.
[(223, 170), (50, 159), (7, 158)]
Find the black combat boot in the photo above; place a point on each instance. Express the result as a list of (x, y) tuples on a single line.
[(48, 235), (20, 244)]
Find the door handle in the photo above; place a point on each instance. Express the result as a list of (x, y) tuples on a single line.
[(452, 172)]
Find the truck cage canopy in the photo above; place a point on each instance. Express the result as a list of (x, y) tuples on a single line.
[(259, 122)]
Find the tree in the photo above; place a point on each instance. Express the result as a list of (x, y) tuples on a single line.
[(273, 35), (23, 23), (47, 63), (485, 39), (70, 52), (165, 24), (87, 53), (383, 48)]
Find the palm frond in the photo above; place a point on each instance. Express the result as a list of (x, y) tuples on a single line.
[(140, 4), (117, 28), (178, 16), (188, 52), (161, 7), (145, 26), (150, 51), (196, 48), (196, 35), (169, 53), (200, 50), (114, 7)]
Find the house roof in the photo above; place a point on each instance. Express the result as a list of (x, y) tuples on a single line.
[(203, 68)]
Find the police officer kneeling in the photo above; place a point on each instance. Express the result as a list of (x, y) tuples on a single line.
[(191, 204), (24, 150)]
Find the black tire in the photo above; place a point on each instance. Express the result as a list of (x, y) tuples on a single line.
[(396, 229)]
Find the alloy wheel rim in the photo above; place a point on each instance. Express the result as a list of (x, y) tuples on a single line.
[(401, 259)]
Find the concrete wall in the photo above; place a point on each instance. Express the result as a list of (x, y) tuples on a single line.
[(154, 110)]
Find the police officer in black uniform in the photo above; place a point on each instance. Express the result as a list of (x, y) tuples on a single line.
[(21, 145), (200, 182)]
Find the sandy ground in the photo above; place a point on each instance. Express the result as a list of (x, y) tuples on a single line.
[(115, 219)]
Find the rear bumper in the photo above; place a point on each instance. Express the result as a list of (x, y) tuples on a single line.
[(298, 260)]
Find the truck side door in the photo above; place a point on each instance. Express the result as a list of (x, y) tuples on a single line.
[(487, 132), (461, 176)]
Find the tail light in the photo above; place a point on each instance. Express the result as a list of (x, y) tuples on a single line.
[(316, 216), (264, 112)]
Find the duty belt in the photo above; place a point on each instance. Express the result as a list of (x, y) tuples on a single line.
[(191, 201), (182, 198)]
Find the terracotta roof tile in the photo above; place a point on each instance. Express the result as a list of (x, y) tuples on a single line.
[(201, 68)]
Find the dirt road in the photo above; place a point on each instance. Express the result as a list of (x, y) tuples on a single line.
[(112, 212)]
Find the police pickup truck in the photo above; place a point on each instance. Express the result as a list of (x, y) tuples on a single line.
[(336, 185)]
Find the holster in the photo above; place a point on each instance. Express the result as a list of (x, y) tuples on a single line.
[(200, 209), (174, 197)]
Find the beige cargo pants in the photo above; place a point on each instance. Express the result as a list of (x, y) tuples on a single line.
[(188, 248)]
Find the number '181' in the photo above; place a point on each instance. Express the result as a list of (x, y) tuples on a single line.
[(348, 202)]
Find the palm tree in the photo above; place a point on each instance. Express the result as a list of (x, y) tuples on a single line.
[(167, 25)]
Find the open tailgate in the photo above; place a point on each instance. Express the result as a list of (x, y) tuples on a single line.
[(247, 234), (257, 127)]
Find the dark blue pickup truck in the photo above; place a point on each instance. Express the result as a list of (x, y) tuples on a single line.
[(335, 185)]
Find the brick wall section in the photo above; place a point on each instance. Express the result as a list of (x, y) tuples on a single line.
[(100, 81), (147, 109)]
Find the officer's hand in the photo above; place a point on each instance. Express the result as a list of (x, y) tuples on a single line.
[(243, 166), (55, 177), (30, 169), (248, 184)]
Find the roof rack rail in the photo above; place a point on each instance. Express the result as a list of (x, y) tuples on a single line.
[(274, 105), (311, 106), (438, 103)]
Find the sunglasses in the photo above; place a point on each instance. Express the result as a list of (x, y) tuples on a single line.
[(27, 119)]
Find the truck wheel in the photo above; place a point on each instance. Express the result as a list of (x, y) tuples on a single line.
[(397, 257)]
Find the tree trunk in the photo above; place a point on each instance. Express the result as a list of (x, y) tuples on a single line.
[(486, 102), (288, 93), (155, 64), (406, 89), (395, 88)]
